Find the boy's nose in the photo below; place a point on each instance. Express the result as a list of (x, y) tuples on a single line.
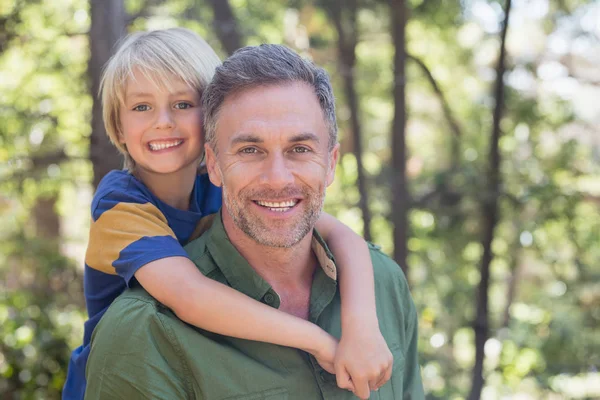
[(164, 119)]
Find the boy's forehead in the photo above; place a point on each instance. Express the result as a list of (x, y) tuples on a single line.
[(144, 83)]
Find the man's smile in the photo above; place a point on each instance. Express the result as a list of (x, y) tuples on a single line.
[(278, 206)]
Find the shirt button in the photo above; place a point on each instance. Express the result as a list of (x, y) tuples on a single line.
[(323, 376), (269, 298)]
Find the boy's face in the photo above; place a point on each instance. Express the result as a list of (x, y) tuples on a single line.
[(161, 128)]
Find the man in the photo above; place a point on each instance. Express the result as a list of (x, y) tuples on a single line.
[(272, 145)]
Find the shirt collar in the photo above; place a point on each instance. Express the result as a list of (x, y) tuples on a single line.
[(238, 272)]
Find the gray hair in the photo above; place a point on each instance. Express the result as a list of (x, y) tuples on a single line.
[(265, 65)]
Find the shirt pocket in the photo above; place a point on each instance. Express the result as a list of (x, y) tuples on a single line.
[(394, 388), (269, 394)]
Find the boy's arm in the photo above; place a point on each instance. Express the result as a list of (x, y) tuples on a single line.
[(130, 237), (212, 306), (363, 361)]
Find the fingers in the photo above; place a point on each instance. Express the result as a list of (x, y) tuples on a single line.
[(385, 376), (361, 387), (343, 379)]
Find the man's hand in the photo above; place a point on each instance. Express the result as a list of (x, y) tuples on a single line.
[(363, 361)]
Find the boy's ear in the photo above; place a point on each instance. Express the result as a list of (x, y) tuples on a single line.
[(333, 159), (214, 172)]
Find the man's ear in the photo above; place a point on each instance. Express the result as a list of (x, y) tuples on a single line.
[(333, 159), (214, 172)]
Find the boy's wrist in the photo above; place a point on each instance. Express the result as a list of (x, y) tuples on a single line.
[(359, 318), (318, 342)]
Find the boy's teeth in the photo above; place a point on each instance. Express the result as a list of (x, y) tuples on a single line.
[(164, 145), (279, 206)]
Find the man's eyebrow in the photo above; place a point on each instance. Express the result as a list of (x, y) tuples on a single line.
[(246, 138), (305, 137), (252, 138)]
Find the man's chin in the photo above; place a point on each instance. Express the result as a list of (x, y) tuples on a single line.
[(276, 237)]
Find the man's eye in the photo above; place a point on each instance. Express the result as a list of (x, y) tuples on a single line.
[(249, 150), (141, 107), (183, 105), (301, 149)]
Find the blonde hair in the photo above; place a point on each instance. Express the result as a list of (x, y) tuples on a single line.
[(161, 56)]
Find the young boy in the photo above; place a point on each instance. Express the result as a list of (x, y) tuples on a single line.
[(142, 217)]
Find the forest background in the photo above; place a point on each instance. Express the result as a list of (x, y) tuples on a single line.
[(470, 134)]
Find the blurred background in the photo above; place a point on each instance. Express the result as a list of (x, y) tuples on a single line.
[(470, 134)]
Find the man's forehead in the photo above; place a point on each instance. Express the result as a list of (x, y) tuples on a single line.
[(291, 94), (292, 107)]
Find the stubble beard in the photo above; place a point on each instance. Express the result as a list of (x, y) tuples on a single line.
[(267, 234)]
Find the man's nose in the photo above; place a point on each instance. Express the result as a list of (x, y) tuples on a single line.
[(164, 119), (276, 171)]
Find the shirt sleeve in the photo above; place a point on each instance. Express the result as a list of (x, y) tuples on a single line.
[(132, 357), (127, 232), (413, 386)]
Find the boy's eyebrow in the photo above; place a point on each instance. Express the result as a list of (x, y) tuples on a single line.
[(138, 94), (175, 94)]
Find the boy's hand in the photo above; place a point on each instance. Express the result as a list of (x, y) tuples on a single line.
[(326, 351), (363, 361)]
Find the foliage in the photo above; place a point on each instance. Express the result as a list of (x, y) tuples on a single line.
[(544, 295)]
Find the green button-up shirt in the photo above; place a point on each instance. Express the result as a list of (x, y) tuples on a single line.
[(141, 350)]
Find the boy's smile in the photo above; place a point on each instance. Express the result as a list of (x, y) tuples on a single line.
[(158, 145), (161, 126)]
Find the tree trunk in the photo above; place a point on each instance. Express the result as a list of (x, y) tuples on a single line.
[(45, 218), (347, 41), (400, 194), (511, 290), (108, 26), (225, 25), (490, 216), (47, 222)]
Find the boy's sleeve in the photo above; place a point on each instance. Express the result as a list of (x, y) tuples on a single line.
[(126, 233)]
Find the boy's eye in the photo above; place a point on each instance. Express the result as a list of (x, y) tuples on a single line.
[(141, 107), (183, 106)]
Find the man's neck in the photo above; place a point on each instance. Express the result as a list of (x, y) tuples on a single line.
[(288, 270), (173, 189)]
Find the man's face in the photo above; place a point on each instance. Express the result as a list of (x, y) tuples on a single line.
[(273, 162)]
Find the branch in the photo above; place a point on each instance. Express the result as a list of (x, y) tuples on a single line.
[(144, 12), (454, 126)]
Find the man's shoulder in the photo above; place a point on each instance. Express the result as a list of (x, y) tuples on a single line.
[(129, 316), (387, 272), (135, 298)]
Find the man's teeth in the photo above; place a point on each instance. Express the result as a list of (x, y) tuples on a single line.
[(278, 206), (164, 145)]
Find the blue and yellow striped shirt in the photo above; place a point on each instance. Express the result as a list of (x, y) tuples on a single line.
[(130, 227)]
